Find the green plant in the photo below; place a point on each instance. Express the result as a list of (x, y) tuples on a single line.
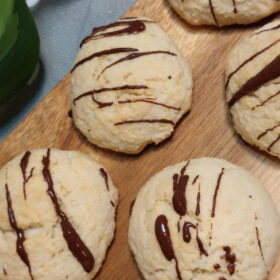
[(19, 47)]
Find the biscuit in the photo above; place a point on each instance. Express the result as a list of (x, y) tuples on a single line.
[(253, 88), (129, 85), (205, 219), (57, 216), (224, 12)]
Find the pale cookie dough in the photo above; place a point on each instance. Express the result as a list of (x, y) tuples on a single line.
[(253, 88), (129, 85), (224, 12), (57, 216), (204, 219)]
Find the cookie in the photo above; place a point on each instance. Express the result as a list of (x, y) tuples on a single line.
[(204, 219), (224, 12), (253, 88), (57, 216), (129, 85)]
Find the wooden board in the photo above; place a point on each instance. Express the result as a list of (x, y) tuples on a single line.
[(206, 131)]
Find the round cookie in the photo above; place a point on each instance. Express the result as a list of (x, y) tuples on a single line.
[(129, 85), (224, 12), (57, 216), (253, 88), (205, 219)]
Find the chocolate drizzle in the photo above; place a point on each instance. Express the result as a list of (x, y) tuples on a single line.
[(269, 73), (268, 130), (134, 56), (186, 231), (70, 114), (23, 166), (197, 211), (216, 193), (216, 266), (248, 60), (102, 53), (165, 242), (4, 271), (234, 6), (104, 174), (131, 27), (265, 101), (20, 233), (145, 121), (195, 179), (102, 104), (131, 207), (112, 203), (273, 143), (230, 259), (200, 244), (148, 101), (74, 242), (179, 188), (266, 30), (213, 12), (260, 244), (222, 278)]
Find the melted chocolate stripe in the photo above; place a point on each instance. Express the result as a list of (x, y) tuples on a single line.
[(260, 244), (4, 271), (268, 130), (186, 231), (20, 233), (165, 242), (197, 211), (95, 91), (269, 73), (265, 101), (134, 56), (234, 6), (230, 259), (213, 12), (216, 193), (148, 101), (132, 27), (131, 207), (104, 174), (195, 179), (23, 166), (102, 53), (248, 60), (145, 121), (273, 143), (74, 242), (266, 30), (179, 200), (200, 244)]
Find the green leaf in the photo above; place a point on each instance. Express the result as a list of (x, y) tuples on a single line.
[(10, 35), (6, 11)]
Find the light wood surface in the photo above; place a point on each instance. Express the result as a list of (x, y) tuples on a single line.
[(206, 131)]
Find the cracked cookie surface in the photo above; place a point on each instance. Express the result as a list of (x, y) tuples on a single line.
[(129, 85), (253, 88), (224, 12), (204, 219), (57, 216)]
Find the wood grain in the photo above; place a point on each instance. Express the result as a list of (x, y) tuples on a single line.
[(206, 131)]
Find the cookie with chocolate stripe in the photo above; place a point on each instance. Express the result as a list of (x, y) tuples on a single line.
[(253, 88), (204, 219), (129, 85), (224, 12), (57, 216)]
